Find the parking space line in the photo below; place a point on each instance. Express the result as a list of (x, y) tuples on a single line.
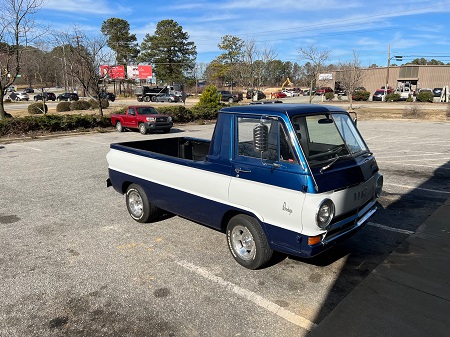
[(251, 296), (26, 147), (419, 165), (417, 188), (398, 230)]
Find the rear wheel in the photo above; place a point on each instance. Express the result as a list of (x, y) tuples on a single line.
[(119, 127), (140, 209), (247, 242), (147, 98), (142, 128), (230, 100), (153, 98)]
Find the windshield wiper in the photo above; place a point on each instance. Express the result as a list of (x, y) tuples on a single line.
[(326, 167)]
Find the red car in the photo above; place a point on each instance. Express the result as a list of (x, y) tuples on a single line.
[(143, 118), (280, 94), (323, 90)]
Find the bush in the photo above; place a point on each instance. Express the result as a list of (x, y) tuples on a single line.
[(361, 95), (51, 123), (79, 105), (63, 107), (329, 96), (425, 96), (94, 103), (37, 108), (179, 113), (413, 111), (392, 97)]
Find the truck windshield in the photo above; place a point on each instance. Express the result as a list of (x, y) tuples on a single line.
[(147, 111), (328, 137)]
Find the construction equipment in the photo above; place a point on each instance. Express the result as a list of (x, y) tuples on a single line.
[(288, 82)]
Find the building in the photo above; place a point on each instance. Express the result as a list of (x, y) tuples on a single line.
[(416, 76)]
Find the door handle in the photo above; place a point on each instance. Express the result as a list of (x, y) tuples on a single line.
[(239, 170)]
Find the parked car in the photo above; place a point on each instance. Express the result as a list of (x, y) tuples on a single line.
[(280, 94), (28, 90), (108, 96), (49, 96), (19, 96), (68, 96), (379, 94), (437, 92), (290, 93), (425, 90), (251, 93), (323, 90), (167, 98), (10, 89), (340, 92), (306, 92)]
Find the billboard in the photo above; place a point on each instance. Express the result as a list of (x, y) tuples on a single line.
[(113, 72), (139, 72)]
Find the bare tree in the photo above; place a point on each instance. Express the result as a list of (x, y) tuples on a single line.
[(350, 76), (84, 55), (317, 61), (16, 24)]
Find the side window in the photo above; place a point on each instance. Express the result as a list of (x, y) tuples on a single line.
[(245, 137), (280, 148), (131, 111)]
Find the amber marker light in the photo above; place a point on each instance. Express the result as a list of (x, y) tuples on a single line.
[(312, 240)]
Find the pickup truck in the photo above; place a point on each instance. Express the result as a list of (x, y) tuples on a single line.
[(143, 118), (227, 96), (289, 178)]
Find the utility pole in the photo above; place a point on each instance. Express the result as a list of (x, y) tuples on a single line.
[(388, 65)]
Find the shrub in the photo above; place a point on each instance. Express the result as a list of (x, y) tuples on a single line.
[(94, 103), (425, 96), (413, 111), (392, 97), (51, 123), (37, 108), (361, 95), (410, 99), (79, 105), (63, 107), (329, 96), (179, 113), (210, 97)]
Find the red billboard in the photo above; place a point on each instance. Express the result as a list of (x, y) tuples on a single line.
[(139, 72), (113, 72)]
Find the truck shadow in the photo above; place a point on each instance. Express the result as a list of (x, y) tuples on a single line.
[(369, 247)]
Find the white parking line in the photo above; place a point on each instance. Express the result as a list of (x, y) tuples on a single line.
[(26, 147), (417, 188), (251, 296), (398, 230)]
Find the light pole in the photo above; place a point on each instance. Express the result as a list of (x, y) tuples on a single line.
[(397, 58)]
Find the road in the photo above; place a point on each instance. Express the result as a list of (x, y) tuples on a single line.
[(73, 262)]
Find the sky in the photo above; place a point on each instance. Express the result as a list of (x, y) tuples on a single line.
[(370, 29)]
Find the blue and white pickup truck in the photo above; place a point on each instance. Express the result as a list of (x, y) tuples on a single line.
[(288, 178)]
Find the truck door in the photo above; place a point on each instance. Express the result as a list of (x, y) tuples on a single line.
[(269, 184), (131, 118)]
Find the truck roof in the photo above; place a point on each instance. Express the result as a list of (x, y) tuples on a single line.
[(283, 109)]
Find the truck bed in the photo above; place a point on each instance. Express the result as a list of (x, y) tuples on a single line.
[(179, 147)]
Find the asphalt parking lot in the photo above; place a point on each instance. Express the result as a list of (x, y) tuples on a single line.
[(74, 263)]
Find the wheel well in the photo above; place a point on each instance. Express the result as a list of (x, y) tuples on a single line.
[(232, 213), (125, 186)]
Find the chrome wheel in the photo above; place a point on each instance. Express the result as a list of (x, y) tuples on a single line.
[(135, 204), (243, 243)]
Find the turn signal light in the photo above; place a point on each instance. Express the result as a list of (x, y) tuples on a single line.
[(312, 240)]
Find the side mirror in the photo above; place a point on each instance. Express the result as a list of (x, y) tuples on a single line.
[(261, 137), (355, 118)]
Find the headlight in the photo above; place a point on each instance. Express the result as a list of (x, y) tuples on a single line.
[(379, 186), (325, 213), (169, 119), (151, 119)]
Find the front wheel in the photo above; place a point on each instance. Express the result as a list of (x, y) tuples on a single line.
[(153, 98), (119, 127), (147, 98), (230, 100), (142, 129), (140, 209), (247, 242)]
